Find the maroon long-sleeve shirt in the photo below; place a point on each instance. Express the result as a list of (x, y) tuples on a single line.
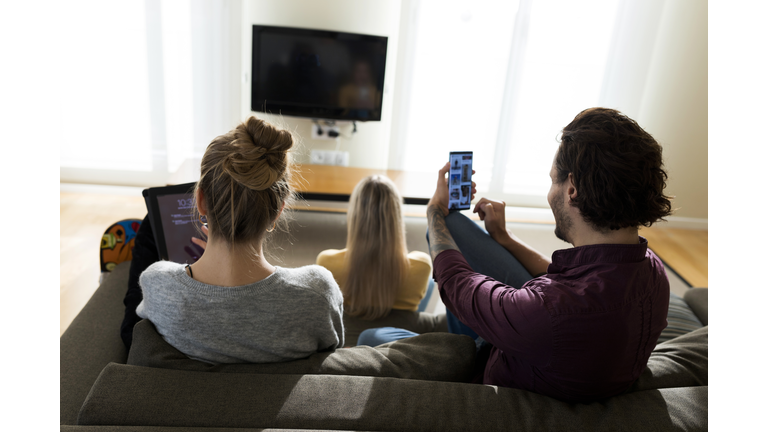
[(581, 332)]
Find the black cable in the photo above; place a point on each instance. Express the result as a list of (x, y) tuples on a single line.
[(354, 130), (333, 133)]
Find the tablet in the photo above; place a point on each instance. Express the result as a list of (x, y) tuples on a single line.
[(171, 213)]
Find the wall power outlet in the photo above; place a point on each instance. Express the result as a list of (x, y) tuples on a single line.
[(324, 132), (329, 157)]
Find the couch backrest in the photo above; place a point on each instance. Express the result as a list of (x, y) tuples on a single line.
[(431, 356), (139, 396), (671, 395)]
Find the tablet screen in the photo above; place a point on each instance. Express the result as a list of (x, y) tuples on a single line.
[(179, 226)]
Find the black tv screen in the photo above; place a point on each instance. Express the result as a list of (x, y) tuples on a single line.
[(317, 73)]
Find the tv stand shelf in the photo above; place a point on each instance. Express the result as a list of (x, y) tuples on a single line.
[(335, 183)]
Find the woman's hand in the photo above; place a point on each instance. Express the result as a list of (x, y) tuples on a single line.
[(200, 242)]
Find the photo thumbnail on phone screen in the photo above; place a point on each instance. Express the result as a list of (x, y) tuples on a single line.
[(460, 180)]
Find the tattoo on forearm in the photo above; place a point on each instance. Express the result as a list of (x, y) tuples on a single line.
[(440, 238)]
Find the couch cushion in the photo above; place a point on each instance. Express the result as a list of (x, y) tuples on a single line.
[(680, 319), (417, 322), (431, 356), (681, 362), (131, 395)]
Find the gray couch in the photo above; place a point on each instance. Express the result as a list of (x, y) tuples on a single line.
[(415, 385)]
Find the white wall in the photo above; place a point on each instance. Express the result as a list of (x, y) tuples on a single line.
[(369, 147), (674, 106)]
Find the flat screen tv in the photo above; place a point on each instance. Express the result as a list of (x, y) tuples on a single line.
[(317, 73)]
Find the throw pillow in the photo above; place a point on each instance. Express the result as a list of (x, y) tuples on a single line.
[(680, 319), (431, 356), (681, 362)]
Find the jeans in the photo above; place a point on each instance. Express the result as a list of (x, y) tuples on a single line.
[(425, 301), (483, 254)]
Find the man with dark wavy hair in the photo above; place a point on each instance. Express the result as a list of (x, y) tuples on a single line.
[(584, 327)]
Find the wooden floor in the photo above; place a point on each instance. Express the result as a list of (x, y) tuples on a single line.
[(83, 219), (85, 216), (686, 251)]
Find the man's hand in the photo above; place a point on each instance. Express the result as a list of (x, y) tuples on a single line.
[(440, 238), (493, 214), (440, 198)]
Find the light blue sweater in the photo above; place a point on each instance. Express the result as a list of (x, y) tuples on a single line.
[(291, 314)]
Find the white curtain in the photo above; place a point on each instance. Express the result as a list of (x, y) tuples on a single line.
[(502, 78), (146, 86)]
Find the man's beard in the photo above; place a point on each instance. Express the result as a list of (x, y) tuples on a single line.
[(563, 222)]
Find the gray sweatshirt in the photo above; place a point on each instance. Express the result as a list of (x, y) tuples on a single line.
[(291, 314)]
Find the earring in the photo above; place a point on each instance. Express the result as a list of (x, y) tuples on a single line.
[(273, 227), (200, 218)]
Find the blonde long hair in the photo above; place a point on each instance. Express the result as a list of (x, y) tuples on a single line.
[(377, 255)]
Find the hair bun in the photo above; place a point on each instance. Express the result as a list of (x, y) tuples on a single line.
[(259, 154)]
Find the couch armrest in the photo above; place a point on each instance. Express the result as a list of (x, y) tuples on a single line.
[(697, 301), (91, 342)]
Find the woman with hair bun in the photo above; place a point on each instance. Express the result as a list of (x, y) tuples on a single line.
[(232, 305), (375, 271)]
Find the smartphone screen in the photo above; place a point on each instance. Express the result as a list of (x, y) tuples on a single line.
[(460, 180)]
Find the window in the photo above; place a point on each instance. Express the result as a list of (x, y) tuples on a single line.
[(500, 78), (147, 85), (560, 75), (459, 58), (103, 89)]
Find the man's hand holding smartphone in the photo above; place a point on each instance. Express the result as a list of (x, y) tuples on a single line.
[(440, 198)]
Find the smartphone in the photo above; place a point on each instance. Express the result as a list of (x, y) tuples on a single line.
[(460, 180)]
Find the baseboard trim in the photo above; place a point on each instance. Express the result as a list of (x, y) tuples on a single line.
[(544, 216), (684, 223), (100, 189)]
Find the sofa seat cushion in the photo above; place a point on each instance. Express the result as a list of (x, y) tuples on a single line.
[(431, 356), (139, 396)]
